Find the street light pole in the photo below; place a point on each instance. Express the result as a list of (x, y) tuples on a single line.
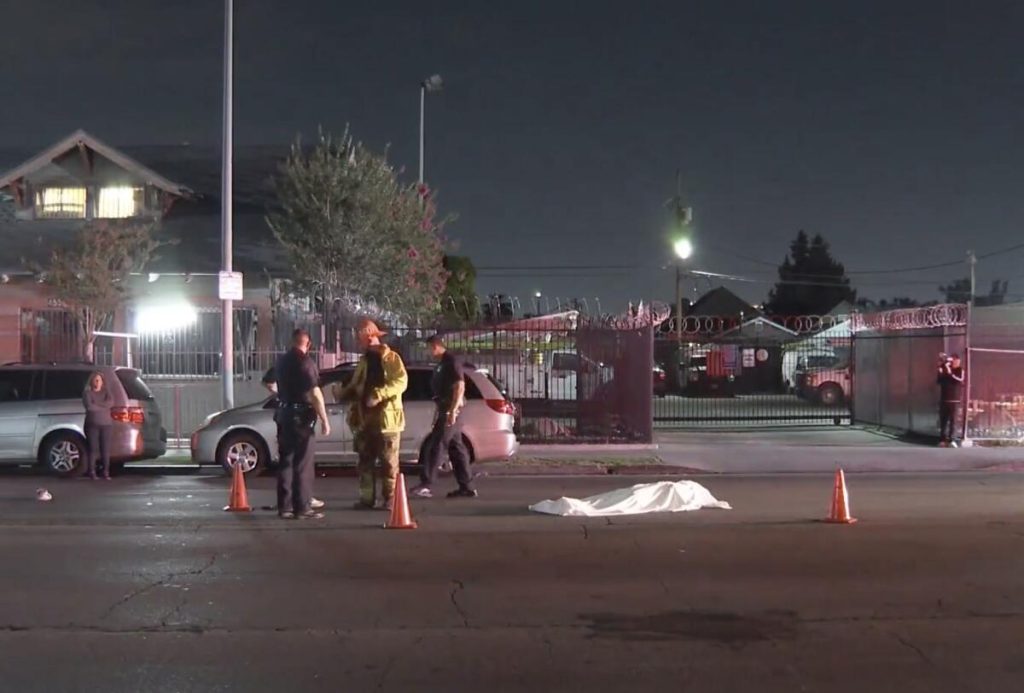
[(432, 83), (227, 359), (423, 110)]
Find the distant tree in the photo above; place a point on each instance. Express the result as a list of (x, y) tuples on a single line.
[(91, 276), (811, 281), (959, 291), (867, 304), (459, 300), (350, 227), (499, 307)]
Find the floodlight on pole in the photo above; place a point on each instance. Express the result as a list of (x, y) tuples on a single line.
[(683, 248), (432, 83)]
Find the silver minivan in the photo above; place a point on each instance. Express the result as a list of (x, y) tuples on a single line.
[(42, 417)]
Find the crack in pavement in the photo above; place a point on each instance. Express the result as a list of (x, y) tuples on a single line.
[(911, 646), (158, 583), (586, 532), (458, 586), (11, 629)]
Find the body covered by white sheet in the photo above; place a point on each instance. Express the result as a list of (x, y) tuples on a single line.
[(659, 497)]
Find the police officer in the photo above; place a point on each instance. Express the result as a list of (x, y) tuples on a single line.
[(269, 381), (300, 405), (449, 391)]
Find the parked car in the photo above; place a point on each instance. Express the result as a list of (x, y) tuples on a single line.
[(42, 417), (247, 435), (660, 383), (829, 386)]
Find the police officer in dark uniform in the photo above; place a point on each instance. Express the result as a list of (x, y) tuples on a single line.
[(449, 391), (300, 405), (269, 381)]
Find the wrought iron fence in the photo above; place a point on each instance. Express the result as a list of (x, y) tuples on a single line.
[(733, 370)]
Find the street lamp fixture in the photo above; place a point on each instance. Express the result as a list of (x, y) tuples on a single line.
[(683, 248), (432, 83)]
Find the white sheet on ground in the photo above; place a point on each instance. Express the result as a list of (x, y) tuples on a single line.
[(659, 497)]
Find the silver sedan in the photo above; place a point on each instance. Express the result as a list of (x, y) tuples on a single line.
[(247, 435)]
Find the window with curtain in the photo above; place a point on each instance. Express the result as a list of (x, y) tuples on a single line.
[(60, 203), (119, 203)]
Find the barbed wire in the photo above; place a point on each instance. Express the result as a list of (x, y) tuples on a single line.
[(943, 315)]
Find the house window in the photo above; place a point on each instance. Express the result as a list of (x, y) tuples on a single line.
[(119, 203), (60, 203)]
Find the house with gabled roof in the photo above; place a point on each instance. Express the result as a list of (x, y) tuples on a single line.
[(46, 198)]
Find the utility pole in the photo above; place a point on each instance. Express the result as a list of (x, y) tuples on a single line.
[(972, 262), (227, 322), (683, 215)]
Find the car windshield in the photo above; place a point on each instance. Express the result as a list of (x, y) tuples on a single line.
[(134, 385)]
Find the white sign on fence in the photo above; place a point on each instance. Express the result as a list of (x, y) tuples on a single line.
[(229, 286)]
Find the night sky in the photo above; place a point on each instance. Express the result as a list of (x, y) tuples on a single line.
[(892, 128)]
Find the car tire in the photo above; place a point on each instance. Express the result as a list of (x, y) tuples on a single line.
[(830, 395), (245, 446), (63, 453)]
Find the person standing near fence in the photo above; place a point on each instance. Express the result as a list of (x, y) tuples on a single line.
[(445, 438), (98, 423), (376, 415), (951, 385), (300, 404)]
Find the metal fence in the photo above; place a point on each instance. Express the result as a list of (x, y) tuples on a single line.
[(735, 371), (995, 374)]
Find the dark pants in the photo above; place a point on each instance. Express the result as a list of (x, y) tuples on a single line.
[(948, 420), (97, 439), (296, 447), (445, 440)]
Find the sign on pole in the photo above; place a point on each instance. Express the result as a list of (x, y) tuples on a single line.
[(229, 286)]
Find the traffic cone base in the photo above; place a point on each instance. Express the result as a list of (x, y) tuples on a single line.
[(401, 516), (840, 511), (238, 499)]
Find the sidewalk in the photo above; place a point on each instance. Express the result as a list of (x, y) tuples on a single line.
[(790, 450)]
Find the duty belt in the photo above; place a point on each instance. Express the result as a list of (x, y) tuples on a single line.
[(293, 405)]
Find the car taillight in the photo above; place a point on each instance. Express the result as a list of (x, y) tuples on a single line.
[(133, 415), (502, 406)]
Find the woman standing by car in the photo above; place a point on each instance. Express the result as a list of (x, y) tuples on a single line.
[(98, 401)]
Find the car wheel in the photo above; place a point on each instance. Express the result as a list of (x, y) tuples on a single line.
[(830, 394), (63, 453), (245, 449)]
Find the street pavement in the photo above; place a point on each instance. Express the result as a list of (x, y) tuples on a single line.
[(144, 584)]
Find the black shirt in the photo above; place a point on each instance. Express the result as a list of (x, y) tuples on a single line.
[(450, 370), (950, 387), (296, 375)]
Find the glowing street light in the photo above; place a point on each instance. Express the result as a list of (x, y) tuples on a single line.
[(683, 248)]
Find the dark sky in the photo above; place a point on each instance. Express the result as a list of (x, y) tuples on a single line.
[(892, 128)]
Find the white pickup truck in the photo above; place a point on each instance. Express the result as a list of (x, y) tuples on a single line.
[(552, 375)]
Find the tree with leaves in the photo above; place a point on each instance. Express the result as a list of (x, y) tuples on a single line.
[(811, 281), (959, 291), (460, 301), (91, 276), (351, 227)]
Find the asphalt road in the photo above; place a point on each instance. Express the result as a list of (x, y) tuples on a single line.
[(144, 584)]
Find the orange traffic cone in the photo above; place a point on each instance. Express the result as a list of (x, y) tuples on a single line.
[(840, 512), (238, 499), (401, 516)]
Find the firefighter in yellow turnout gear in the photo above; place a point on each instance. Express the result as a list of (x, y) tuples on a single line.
[(375, 414)]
